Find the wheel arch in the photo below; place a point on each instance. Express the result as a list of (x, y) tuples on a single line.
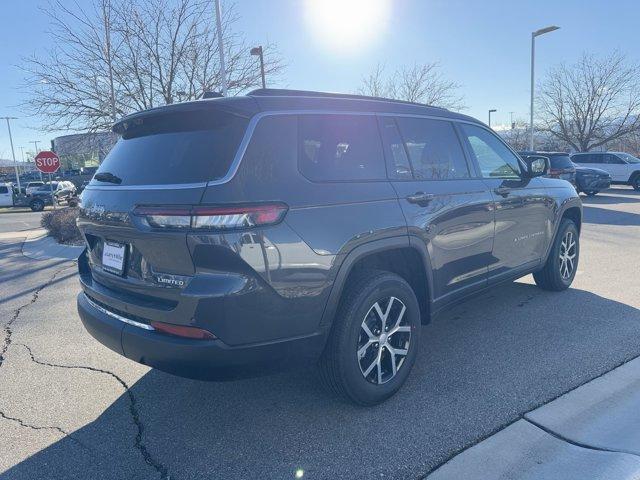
[(405, 256), (571, 209)]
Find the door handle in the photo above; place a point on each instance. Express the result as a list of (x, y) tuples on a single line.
[(503, 191), (420, 198)]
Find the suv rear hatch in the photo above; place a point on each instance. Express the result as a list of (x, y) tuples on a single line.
[(562, 167), (164, 159)]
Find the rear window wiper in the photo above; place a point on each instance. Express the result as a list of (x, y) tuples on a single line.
[(107, 177)]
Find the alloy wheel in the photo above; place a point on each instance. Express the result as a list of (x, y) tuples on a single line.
[(568, 250), (383, 343)]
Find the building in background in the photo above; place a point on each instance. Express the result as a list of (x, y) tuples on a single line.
[(7, 167), (83, 149)]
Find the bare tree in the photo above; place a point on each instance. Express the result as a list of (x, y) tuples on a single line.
[(129, 55), (420, 83), (591, 102), (518, 136)]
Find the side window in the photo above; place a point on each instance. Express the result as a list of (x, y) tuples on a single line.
[(587, 158), (340, 147), (613, 159), (397, 161), (597, 158), (4, 189), (494, 158), (434, 149)]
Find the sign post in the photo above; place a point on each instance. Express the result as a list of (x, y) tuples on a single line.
[(48, 162)]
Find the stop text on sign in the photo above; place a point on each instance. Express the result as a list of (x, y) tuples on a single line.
[(47, 162)]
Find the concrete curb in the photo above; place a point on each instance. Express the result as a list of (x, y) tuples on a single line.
[(590, 432)]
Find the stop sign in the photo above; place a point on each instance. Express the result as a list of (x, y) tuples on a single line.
[(47, 162)]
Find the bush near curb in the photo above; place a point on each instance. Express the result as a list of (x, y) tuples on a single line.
[(61, 225)]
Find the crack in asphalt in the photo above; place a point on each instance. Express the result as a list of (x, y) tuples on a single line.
[(133, 409), (8, 332), (63, 432), (133, 404), (22, 423)]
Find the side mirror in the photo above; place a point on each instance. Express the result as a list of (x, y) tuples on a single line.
[(537, 166)]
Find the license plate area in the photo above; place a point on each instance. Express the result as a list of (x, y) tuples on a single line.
[(114, 257)]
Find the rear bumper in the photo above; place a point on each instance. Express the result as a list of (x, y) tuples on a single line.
[(199, 359)]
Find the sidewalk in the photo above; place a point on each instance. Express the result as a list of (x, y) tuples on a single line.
[(38, 246), (592, 432)]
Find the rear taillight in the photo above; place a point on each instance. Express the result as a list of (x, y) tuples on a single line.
[(213, 218), (182, 331)]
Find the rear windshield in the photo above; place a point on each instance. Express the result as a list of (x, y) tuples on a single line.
[(560, 161), (174, 148)]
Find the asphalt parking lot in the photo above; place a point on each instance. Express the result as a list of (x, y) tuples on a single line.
[(70, 408)]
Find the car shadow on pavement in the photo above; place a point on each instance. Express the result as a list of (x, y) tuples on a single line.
[(603, 199), (481, 365), (606, 216)]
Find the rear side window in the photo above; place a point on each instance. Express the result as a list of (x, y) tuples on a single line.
[(184, 147), (434, 149), (340, 148), (588, 158), (560, 161), (397, 161)]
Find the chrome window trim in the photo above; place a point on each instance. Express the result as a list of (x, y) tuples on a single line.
[(246, 139), (126, 320)]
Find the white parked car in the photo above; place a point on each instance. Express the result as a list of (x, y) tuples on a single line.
[(32, 187), (623, 168), (6, 195)]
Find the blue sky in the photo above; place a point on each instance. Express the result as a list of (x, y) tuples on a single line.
[(483, 45)]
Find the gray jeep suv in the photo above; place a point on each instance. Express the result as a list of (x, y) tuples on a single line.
[(232, 236)]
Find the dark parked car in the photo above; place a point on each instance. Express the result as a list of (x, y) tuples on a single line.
[(560, 165), (232, 236), (591, 180), (63, 191)]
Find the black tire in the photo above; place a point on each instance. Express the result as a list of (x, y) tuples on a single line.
[(635, 182), (340, 364), (551, 277), (36, 205)]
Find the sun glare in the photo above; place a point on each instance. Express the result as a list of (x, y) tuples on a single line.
[(346, 25)]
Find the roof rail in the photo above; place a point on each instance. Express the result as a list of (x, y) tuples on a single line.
[(283, 92)]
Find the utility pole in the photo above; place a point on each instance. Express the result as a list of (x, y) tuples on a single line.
[(35, 143), (13, 153), (223, 71), (511, 120)]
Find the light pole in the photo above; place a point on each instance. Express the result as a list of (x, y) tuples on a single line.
[(493, 110), (223, 70), (258, 51), (13, 153), (535, 34)]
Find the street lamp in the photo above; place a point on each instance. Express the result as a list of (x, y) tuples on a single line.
[(258, 51), (223, 69), (535, 34), (493, 110)]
